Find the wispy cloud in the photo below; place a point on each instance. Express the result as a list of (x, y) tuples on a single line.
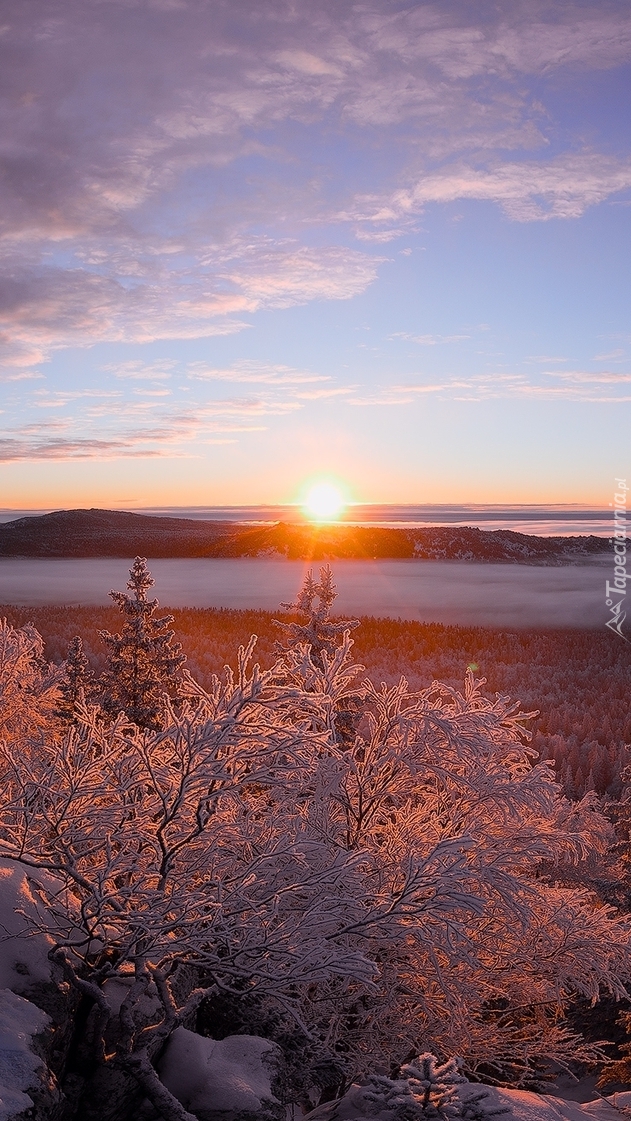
[(14, 449), (10, 374), (262, 373), (429, 340), (396, 394), (527, 191), (582, 377), (613, 356), (137, 370), (324, 394), (574, 385), (545, 359), (152, 392)]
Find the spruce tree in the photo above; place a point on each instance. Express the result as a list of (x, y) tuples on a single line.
[(317, 631), (143, 661), (77, 683), (324, 640)]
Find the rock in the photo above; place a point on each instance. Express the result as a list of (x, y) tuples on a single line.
[(27, 1089), (223, 1080)]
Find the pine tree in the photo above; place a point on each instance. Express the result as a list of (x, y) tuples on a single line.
[(143, 662)]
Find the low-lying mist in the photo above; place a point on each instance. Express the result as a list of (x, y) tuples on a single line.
[(450, 592)]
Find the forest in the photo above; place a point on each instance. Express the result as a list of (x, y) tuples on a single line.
[(341, 837), (577, 680)]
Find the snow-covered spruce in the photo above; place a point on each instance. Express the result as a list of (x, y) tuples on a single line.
[(423, 1090), (77, 683), (317, 630), (143, 661)]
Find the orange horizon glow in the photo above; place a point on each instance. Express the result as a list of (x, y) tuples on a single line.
[(69, 494), (153, 503)]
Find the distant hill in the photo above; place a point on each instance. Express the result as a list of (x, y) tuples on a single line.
[(107, 533), (117, 533)]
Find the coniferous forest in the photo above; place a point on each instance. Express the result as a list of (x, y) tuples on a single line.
[(577, 680), (338, 837)]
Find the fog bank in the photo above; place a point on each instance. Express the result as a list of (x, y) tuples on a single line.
[(452, 592)]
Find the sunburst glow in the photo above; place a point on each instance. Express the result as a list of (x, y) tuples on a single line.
[(324, 500)]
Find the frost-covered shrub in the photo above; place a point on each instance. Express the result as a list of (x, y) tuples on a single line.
[(440, 796), (29, 687)]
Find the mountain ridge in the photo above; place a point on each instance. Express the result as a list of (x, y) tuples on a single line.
[(120, 533)]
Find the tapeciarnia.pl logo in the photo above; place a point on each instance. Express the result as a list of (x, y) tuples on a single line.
[(615, 593)]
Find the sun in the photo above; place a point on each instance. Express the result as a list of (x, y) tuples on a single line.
[(324, 501)]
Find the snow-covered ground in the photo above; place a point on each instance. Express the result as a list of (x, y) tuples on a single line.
[(23, 962), (23, 957), (545, 1107), (19, 1065), (519, 1104), (232, 1077)]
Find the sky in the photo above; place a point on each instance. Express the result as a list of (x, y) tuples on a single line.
[(248, 246)]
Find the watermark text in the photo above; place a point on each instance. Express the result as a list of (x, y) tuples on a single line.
[(616, 589)]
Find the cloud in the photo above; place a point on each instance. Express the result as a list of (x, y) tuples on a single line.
[(580, 376), (527, 191), (306, 63), (262, 373), (582, 386), (136, 446), (429, 340), (396, 394), (168, 171), (51, 308), (282, 275), (323, 394), (13, 449), (545, 358), (10, 374), (381, 237), (253, 406), (137, 370)]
